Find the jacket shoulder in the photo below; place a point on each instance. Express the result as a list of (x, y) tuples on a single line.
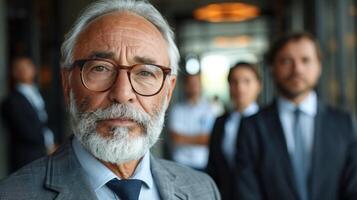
[(219, 121), (337, 112), (189, 179), (262, 114), (182, 171), (13, 101), (340, 120), (25, 183)]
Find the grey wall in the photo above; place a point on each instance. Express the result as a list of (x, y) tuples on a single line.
[(3, 84)]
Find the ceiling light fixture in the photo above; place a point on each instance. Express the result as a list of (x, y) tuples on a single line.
[(226, 12)]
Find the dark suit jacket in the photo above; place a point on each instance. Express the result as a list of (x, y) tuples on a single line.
[(26, 142), (217, 166), (264, 167), (60, 176)]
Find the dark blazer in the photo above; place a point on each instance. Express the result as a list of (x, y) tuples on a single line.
[(217, 166), (60, 176), (264, 167), (26, 142)]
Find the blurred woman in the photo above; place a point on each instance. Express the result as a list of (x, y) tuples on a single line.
[(244, 87)]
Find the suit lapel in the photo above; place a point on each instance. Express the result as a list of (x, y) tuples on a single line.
[(65, 176), (27, 103), (165, 181), (318, 150), (275, 127), (220, 144)]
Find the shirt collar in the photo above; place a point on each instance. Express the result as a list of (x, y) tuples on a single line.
[(250, 110), (24, 85), (25, 88), (143, 171), (99, 174), (307, 106)]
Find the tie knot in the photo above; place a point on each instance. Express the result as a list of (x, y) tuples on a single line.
[(297, 112), (127, 189)]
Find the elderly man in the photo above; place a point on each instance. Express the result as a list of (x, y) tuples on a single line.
[(298, 148), (120, 65)]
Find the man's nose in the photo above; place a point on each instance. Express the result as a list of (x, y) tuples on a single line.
[(298, 67), (121, 91)]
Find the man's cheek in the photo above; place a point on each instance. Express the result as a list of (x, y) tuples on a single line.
[(84, 104)]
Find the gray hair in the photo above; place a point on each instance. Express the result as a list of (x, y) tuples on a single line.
[(141, 8)]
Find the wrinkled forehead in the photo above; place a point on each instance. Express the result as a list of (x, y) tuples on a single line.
[(120, 27)]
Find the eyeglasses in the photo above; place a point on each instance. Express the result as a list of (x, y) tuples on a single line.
[(99, 75)]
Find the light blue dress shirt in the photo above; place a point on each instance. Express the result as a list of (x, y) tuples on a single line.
[(191, 119), (231, 128), (308, 109), (98, 175)]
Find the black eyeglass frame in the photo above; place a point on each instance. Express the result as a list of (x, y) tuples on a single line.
[(80, 63)]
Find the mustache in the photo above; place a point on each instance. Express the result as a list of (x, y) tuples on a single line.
[(115, 111), (298, 76)]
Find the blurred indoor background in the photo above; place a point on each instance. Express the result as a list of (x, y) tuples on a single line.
[(211, 35)]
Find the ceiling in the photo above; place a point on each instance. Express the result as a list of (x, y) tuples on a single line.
[(182, 9)]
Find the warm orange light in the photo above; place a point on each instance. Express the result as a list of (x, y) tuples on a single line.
[(237, 41), (226, 12)]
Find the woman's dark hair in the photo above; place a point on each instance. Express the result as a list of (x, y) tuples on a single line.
[(245, 65)]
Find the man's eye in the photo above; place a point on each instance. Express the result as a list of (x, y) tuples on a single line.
[(285, 61), (99, 69), (146, 74)]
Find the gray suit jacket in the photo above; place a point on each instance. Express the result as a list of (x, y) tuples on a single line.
[(60, 176)]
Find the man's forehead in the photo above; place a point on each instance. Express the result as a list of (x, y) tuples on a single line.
[(299, 42), (299, 46), (114, 32), (122, 22)]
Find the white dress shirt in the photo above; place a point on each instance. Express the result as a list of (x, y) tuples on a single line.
[(98, 175), (231, 128), (308, 109), (191, 119)]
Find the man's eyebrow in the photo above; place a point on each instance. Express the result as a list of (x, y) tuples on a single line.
[(145, 60), (111, 55), (102, 54)]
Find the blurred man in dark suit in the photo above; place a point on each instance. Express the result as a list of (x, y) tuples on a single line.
[(297, 148), (24, 115), (244, 87)]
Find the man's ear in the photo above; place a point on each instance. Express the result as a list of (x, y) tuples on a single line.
[(65, 76), (171, 89)]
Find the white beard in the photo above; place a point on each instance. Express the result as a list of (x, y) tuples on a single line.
[(121, 146)]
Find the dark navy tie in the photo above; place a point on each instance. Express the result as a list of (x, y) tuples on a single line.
[(299, 157), (128, 189)]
